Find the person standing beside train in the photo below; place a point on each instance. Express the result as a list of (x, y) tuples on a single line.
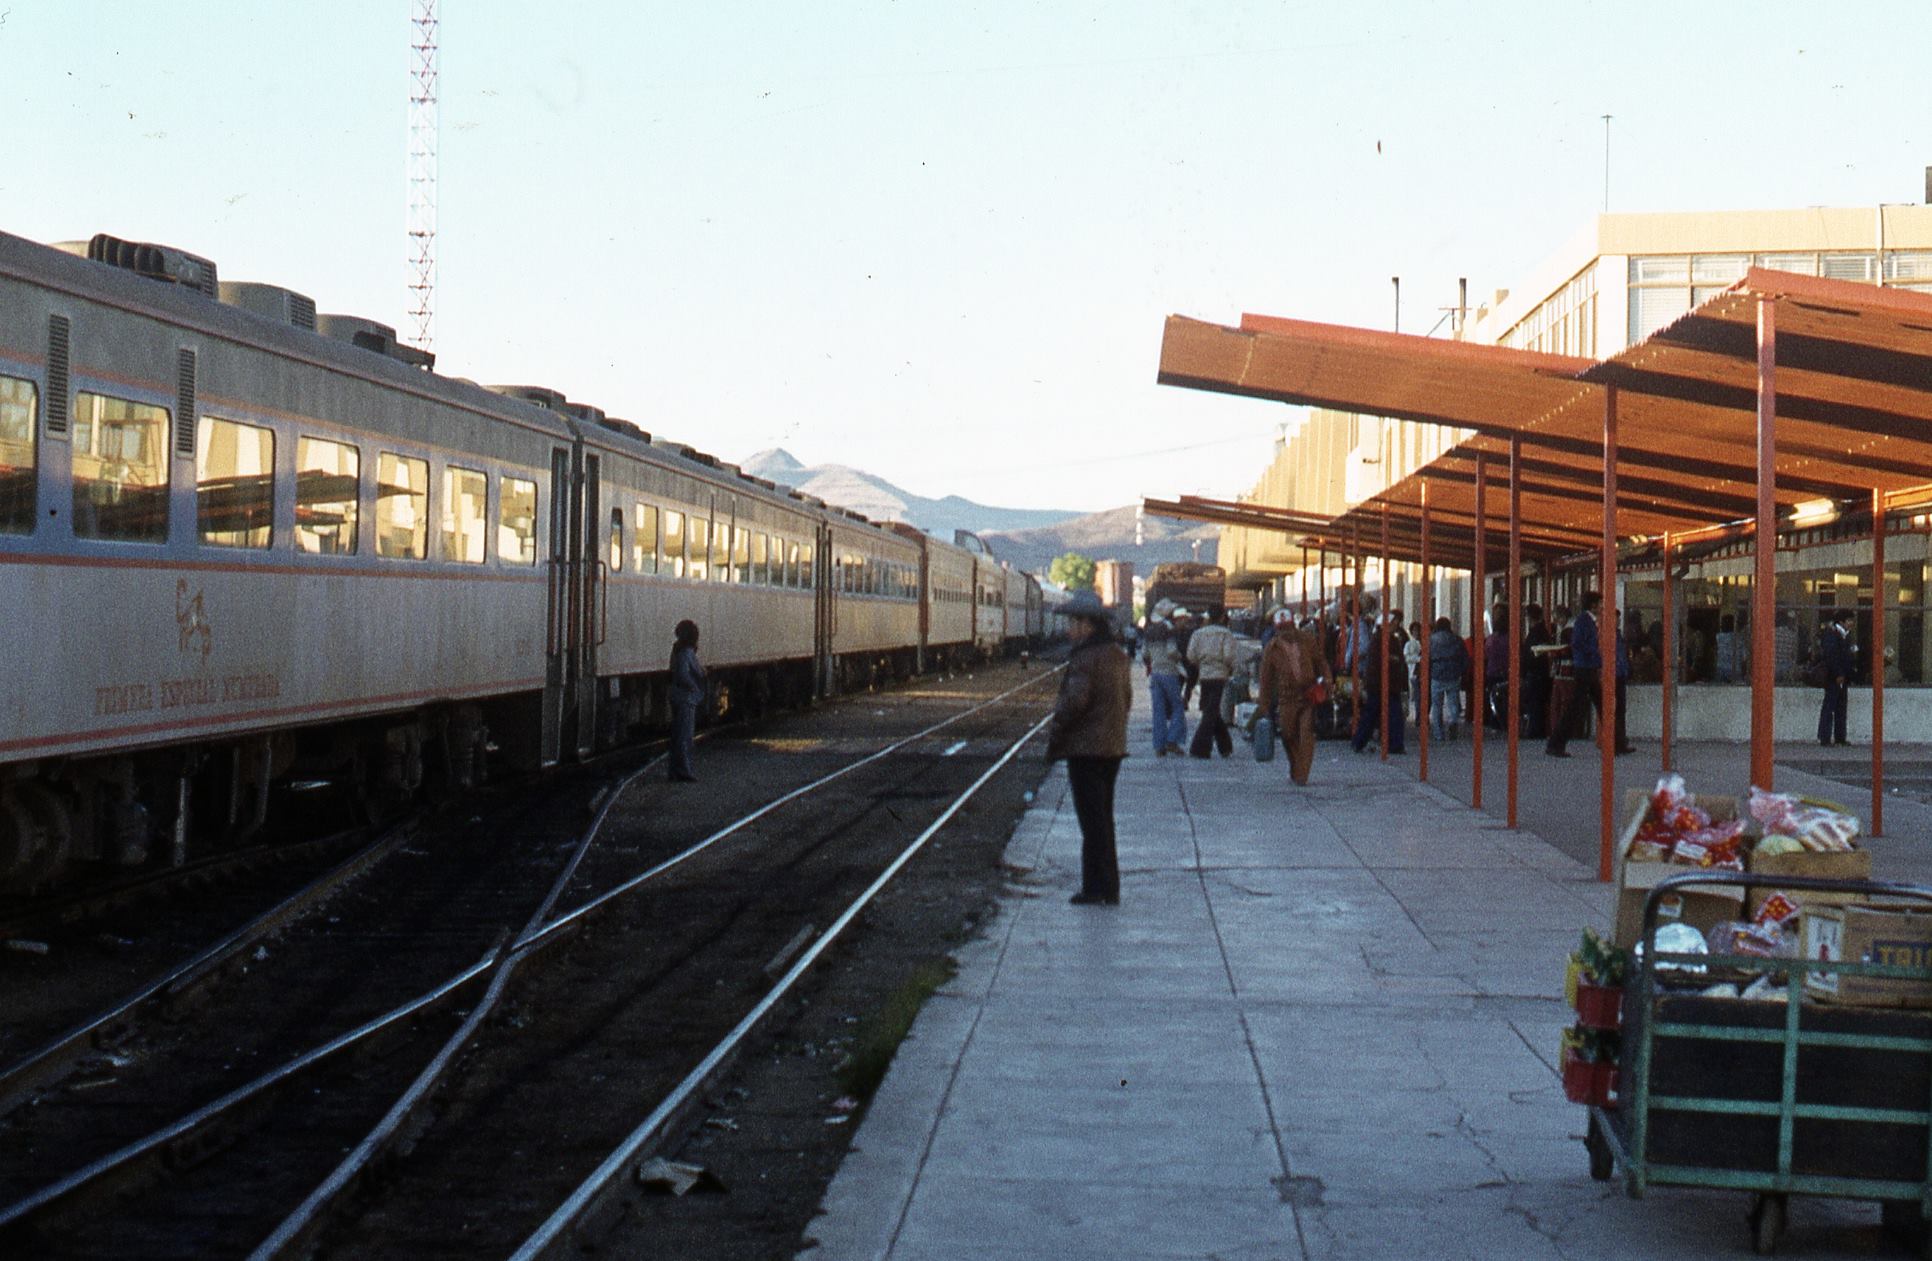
[(1089, 730), (687, 693), (1211, 650)]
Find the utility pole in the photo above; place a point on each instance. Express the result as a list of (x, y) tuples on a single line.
[(1606, 164), (422, 175)]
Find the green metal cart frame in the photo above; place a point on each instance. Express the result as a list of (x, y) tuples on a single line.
[(1621, 1136)]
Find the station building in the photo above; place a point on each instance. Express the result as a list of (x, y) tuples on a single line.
[(1621, 279)]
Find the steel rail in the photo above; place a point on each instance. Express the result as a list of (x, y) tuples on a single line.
[(307, 1217), (201, 1116), (562, 922), (552, 1230), (28, 1071)]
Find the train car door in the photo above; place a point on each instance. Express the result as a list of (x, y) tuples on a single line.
[(592, 602), (824, 614), (925, 604), (558, 621)]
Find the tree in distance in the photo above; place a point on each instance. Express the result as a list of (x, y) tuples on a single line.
[(1072, 571)]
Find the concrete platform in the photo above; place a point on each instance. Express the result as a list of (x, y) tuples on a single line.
[(1323, 1023)]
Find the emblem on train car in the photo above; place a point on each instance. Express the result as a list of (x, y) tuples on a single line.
[(192, 621)]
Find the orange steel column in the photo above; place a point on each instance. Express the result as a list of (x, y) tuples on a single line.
[(1478, 606), (1668, 676), (1764, 545), (1513, 719), (1354, 628), (1428, 621), (1382, 642), (1607, 644), (1877, 656)]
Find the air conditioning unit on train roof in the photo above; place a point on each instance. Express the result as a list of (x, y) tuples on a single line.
[(375, 337), (541, 395), (585, 412), (144, 258), (272, 302), (625, 427)]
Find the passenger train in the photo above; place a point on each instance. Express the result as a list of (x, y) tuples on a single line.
[(244, 545)]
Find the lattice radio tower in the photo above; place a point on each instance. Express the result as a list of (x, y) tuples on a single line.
[(422, 175)]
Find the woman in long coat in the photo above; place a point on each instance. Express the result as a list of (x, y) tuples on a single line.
[(1089, 730), (687, 693)]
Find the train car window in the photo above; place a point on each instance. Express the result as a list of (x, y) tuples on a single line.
[(516, 521), (644, 540), (466, 515), (120, 469), (328, 477), (807, 573), (721, 551), (741, 555), (18, 432), (402, 506), (791, 566), (698, 548), (674, 542), (234, 483), (616, 540), (761, 559)]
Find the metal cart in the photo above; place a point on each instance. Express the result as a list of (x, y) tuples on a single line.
[(1805, 1098)]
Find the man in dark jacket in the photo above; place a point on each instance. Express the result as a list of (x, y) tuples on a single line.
[(1586, 668), (1389, 708), (1834, 646), (1536, 673), (1089, 730)]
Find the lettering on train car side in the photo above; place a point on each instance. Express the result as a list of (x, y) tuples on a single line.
[(187, 692), (125, 698)]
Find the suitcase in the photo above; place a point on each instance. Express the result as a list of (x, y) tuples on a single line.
[(1264, 739)]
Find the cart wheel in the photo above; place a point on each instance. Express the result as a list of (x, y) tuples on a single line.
[(1767, 1223), (1602, 1164)]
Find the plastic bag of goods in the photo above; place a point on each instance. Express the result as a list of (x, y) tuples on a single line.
[(1676, 830), (1813, 825)]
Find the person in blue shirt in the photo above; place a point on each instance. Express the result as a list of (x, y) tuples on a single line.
[(1586, 668), (1834, 646)]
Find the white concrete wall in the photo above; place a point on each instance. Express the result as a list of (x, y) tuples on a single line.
[(1714, 712)]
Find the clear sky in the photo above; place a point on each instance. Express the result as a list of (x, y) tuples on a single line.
[(937, 239)]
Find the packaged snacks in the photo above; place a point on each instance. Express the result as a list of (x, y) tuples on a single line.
[(1675, 829), (1817, 826)]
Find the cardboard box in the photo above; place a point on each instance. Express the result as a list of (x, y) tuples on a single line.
[(1867, 932), (1703, 908), (1850, 864)]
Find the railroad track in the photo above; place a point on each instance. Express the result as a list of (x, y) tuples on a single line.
[(343, 1092)]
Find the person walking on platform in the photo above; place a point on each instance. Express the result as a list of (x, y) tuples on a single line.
[(687, 693), (1586, 669), (1211, 650), (1390, 708), (1089, 730), (1292, 669), (1835, 649), (1621, 684), (1190, 673), (1162, 655)]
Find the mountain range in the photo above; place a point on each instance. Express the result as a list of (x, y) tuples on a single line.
[(1027, 538)]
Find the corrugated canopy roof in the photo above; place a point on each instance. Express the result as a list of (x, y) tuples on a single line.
[(1854, 412)]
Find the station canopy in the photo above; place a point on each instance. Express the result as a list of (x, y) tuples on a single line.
[(1853, 383)]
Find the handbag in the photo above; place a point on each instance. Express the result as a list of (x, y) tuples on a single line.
[(1815, 674), (1264, 739), (1315, 693)]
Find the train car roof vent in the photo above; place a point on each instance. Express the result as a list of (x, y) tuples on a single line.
[(585, 412), (624, 427), (144, 258), (373, 336), (284, 306), (541, 395)]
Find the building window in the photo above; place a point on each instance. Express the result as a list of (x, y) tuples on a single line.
[(516, 521), (120, 469), (18, 433), (402, 506), (327, 489), (466, 513), (234, 483)]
